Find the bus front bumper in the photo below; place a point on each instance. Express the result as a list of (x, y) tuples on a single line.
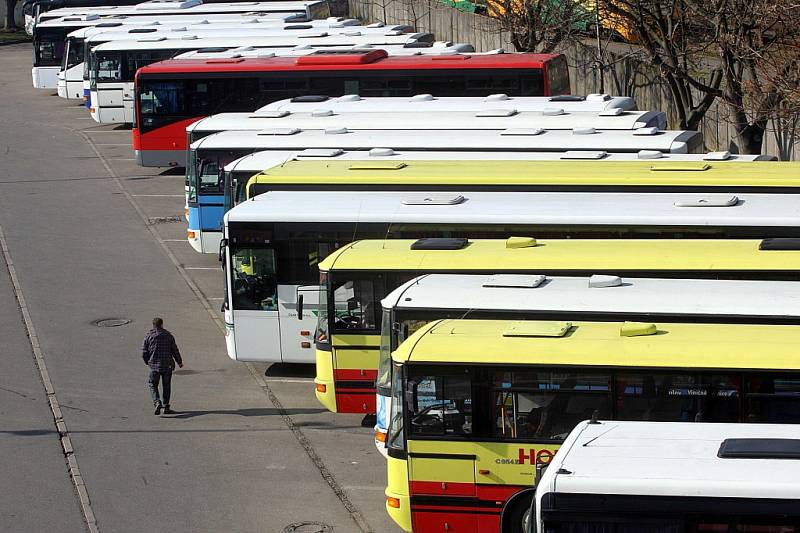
[(160, 158)]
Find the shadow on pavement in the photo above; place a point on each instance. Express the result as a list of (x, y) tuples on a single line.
[(290, 370)]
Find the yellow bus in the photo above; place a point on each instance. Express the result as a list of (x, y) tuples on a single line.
[(476, 404), (355, 278), (398, 172)]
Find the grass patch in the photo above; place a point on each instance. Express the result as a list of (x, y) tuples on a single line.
[(14, 36)]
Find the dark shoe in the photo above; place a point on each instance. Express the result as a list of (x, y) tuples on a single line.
[(168, 411), (158, 409)]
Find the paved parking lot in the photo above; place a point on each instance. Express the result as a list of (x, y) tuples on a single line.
[(91, 236)]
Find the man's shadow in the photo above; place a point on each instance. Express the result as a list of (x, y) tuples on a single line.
[(254, 411)]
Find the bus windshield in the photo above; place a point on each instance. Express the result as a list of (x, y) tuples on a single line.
[(49, 48), (74, 55)]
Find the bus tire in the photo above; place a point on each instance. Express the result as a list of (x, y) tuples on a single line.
[(514, 512)]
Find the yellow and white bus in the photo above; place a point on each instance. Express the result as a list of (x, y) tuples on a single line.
[(602, 298), (478, 403), (355, 278)]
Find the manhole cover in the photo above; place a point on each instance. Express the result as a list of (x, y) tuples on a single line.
[(111, 322), (308, 527)]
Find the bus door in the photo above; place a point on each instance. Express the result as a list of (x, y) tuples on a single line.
[(297, 334), (441, 457), (255, 304)]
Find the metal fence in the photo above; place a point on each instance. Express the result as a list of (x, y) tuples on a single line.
[(624, 73)]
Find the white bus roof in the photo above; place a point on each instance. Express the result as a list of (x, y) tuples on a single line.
[(241, 30), (545, 208), (123, 22), (426, 102), (200, 22), (557, 294), (438, 48), (671, 459), (259, 161), (189, 41), (159, 7), (453, 140), (451, 120)]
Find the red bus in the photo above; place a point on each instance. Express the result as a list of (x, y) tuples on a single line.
[(172, 94)]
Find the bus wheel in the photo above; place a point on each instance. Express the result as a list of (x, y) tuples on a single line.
[(517, 516)]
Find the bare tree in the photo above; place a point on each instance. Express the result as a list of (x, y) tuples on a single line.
[(540, 25)]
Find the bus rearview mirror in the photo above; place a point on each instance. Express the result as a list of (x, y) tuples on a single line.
[(299, 307)]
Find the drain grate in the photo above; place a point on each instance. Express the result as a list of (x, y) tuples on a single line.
[(308, 527), (111, 322), (164, 220)]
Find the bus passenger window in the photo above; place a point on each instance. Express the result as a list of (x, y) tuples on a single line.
[(254, 285), (773, 399), (442, 406)]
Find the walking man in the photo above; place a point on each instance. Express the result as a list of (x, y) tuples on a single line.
[(160, 353)]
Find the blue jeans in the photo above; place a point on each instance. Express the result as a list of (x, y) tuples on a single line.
[(165, 376)]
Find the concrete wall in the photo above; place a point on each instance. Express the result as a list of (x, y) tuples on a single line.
[(626, 76)]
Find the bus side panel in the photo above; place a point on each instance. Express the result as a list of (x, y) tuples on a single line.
[(257, 336), (324, 380), (468, 491), (355, 360), (397, 487), (297, 335)]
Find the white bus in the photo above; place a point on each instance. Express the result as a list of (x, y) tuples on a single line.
[(272, 247), (310, 9), (487, 119), (112, 66), (49, 36), (426, 102), (669, 477), (598, 298), (207, 157), (438, 48), (72, 74)]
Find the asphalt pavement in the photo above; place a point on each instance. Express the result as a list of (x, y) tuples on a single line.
[(92, 237)]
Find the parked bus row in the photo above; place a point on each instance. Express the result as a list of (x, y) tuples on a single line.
[(485, 267)]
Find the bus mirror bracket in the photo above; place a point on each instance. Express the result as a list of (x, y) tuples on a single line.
[(222, 245), (299, 307)]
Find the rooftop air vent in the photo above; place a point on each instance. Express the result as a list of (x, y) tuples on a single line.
[(599, 281), (108, 25), (143, 30), (520, 242), (381, 152), (718, 201), (321, 152), (519, 281), (349, 98), (566, 98), (759, 449), (181, 28), (336, 130), (352, 33), (270, 113), (313, 35), (376, 25), (279, 131), (522, 131), (496, 113), (322, 113), (652, 130), (151, 39), (649, 154), (298, 27), (552, 111), (422, 98), (497, 97), (598, 97), (439, 243), (584, 154), (717, 156), (189, 37), (780, 243), (433, 199), (637, 329), (531, 328), (612, 112), (212, 50), (309, 98), (583, 131)]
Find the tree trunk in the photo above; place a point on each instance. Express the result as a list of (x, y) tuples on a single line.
[(10, 24)]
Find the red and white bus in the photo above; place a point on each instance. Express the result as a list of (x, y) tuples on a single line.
[(172, 94)]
